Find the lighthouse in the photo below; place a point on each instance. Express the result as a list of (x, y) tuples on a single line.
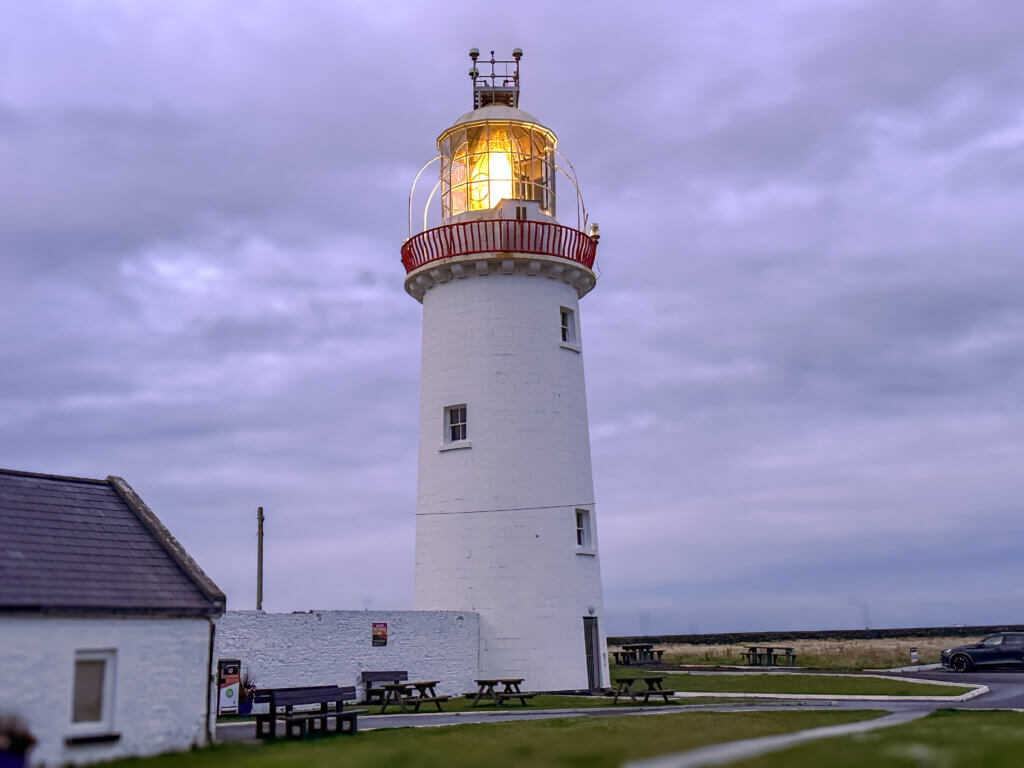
[(506, 524)]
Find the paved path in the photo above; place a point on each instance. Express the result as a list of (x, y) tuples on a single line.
[(718, 754)]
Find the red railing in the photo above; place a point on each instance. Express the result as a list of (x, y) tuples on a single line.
[(496, 236)]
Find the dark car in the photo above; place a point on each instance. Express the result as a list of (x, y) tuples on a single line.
[(1004, 649)]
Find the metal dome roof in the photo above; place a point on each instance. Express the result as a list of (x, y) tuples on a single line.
[(497, 112)]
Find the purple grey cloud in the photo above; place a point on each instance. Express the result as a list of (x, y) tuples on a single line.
[(804, 356)]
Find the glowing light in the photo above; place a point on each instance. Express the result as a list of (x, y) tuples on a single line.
[(494, 162), (488, 165), (499, 182)]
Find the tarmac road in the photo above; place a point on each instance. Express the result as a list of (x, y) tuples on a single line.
[(1006, 686)]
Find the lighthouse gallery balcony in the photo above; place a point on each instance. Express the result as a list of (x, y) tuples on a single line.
[(438, 254), (498, 236)]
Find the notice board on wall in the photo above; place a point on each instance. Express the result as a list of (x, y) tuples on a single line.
[(379, 633)]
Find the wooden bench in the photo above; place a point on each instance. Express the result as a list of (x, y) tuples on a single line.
[(511, 690), (302, 724), (521, 696), (769, 656), (376, 695), (638, 654), (624, 687), (403, 695)]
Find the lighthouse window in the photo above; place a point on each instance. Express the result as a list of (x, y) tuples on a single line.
[(568, 328), (583, 528), (455, 423)]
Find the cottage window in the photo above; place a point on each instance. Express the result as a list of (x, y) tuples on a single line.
[(93, 692)]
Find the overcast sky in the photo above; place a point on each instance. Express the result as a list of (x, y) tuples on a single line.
[(804, 355)]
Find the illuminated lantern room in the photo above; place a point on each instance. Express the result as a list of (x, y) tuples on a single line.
[(495, 190), (496, 152)]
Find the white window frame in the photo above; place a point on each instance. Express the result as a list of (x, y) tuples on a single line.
[(568, 330), (447, 443), (584, 526), (106, 722)]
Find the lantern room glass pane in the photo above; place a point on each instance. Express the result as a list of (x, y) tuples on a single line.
[(492, 162)]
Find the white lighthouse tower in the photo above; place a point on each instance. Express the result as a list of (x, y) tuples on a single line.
[(505, 518)]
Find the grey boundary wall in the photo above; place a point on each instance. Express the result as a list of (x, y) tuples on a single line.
[(335, 647), (825, 634)]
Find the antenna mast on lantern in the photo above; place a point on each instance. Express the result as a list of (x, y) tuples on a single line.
[(500, 85)]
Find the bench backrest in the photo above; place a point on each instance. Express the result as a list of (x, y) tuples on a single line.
[(313, 694), (384, 677), (264, 695)]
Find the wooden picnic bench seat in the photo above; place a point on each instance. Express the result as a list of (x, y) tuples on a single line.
[(638, 654), (502, 696), (418, 701), (302, 724), (376, 695), (522, 696), (769, 655), (655, 692)]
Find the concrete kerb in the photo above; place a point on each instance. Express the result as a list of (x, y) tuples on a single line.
[(978, 690)]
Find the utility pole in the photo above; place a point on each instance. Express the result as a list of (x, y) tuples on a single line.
[(259, 559)]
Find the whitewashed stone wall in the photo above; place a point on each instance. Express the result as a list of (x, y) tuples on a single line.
[(496, 519), (334, 647), (160, 688)]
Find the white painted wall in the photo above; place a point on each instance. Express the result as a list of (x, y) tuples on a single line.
[(159, 690), (334, 647), (495, 526)]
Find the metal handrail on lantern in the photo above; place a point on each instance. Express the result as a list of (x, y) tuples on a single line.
[(498, 236)]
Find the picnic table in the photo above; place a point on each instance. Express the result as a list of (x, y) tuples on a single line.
[(624, 687), (769, 656), (402, 694), (511, 690), (302, 724), (638, 653), (375, 694)]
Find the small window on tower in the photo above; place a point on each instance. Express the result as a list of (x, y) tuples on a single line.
[(455, 423), (568, 319), (583, 529), (520, 213)]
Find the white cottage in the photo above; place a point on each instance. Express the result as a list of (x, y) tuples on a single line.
[(106, 623)]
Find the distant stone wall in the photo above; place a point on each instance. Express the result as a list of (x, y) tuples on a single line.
[(159, 678), (334, 647), (738, 638)]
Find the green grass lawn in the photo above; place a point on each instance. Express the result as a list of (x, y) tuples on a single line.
[(806, 683), (945, 738), (594, 742)]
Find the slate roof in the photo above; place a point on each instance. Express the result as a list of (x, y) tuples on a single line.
[(79, 545)]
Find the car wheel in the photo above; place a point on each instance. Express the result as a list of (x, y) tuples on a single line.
[(960, 663)]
